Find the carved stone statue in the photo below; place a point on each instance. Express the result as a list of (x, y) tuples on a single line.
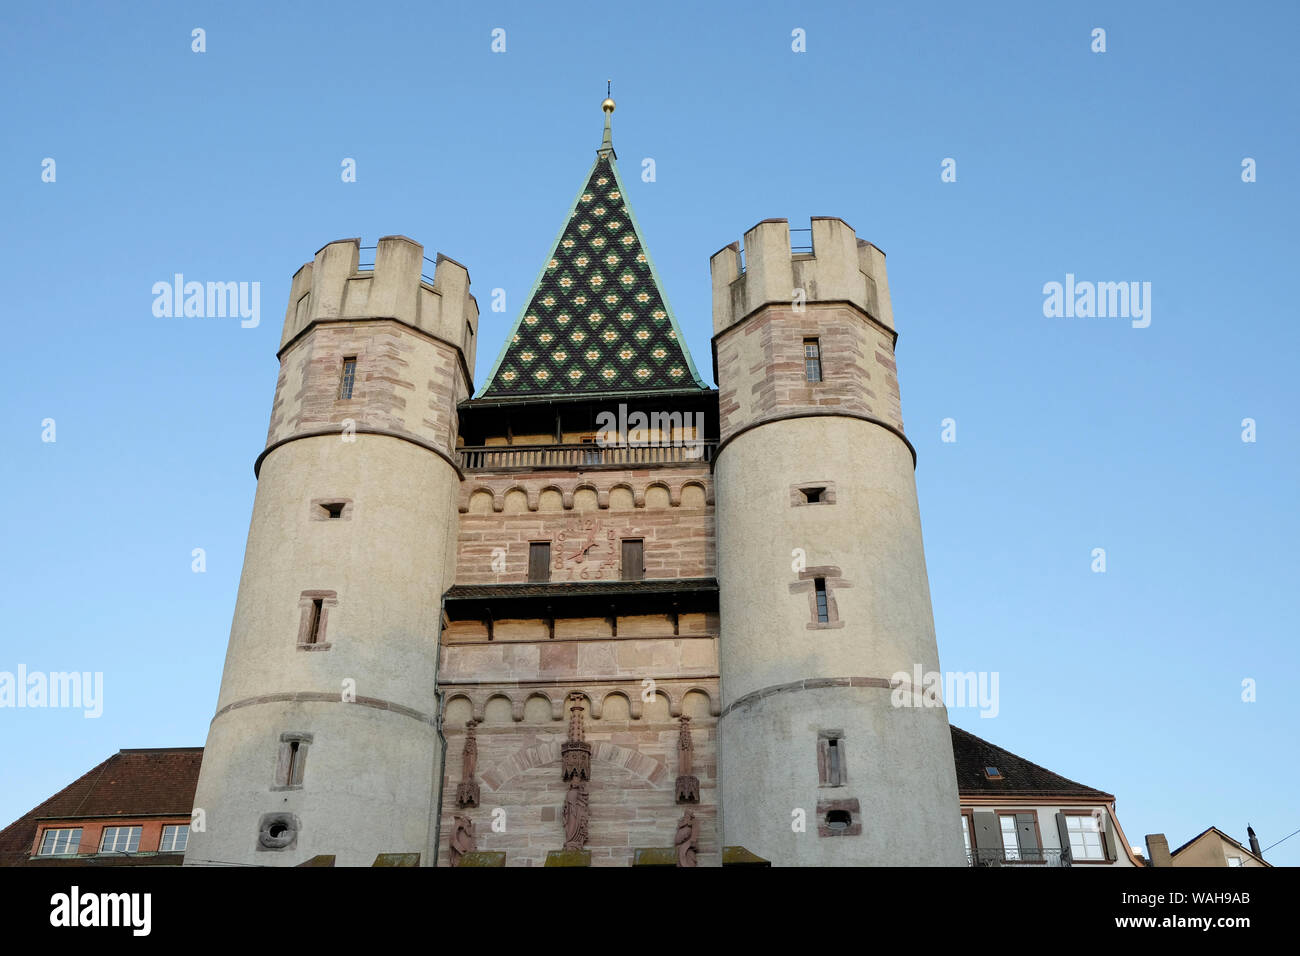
[(576, 816), (467, 792), (687, 840), (462, 838), (688, 787)]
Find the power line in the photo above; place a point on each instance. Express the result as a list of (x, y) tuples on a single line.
[(1283, 840)]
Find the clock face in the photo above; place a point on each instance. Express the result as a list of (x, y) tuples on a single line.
[(584, 551)]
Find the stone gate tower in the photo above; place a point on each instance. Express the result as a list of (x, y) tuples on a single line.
[(822, 580), (324, 739)]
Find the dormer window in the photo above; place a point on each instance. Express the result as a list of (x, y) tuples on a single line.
[(992, 773)]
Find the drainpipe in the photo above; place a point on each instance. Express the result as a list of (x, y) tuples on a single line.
[(442, 761)]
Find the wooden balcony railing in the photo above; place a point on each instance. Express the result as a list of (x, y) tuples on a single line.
[(506, 457)]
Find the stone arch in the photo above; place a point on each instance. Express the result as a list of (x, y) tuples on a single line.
[(515, 501), (482, 501), (693, 494), (550, 499), (659, 707), (622, 497), (622, 711), (560, 704), (542, 711), (496, 712), (692, 707), (458, 710), (658, 495), (586, 497)]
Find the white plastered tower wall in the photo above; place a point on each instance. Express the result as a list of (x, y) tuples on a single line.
[(789, 680), (361, 699)]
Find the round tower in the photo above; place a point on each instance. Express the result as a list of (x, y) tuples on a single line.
[(824, 758), (325, 735)]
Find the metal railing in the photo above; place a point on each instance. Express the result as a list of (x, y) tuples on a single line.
[(495, 457), (366, 262), (1043, 856)]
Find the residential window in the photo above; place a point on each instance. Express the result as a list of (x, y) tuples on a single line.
[(1234, 861), (633, 559), (539, 561), (1010, 838), (823, 608), (120, 840), (812, 359), (348, 377), (175, 837), (1085, 838), (57, 842)]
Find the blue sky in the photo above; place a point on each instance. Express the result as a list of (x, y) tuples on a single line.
[(1072, 433)]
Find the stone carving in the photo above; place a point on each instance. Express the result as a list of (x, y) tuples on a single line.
[(462, 838), (467, 793), (575, 753), (687, 840), (688, 787), (576, 816)]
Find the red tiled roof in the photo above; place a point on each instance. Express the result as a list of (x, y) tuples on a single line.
[(1020, 777), (129, 783)]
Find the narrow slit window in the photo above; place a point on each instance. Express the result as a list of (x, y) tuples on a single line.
[(313, 623), (333, 509), (833, 755), (292, 760), (349, 376), (813, 495), (812, 359), (539, 561), (823, 609)]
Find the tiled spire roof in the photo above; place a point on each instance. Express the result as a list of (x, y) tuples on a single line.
[(597, 320)]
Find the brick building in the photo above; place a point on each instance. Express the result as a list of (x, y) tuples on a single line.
[(131, 810)]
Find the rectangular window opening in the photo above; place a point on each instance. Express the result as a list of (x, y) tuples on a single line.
[(120, 840), (633, 559), (313, 625), (812, 359), (175, 837), (58, 842), (539, 561), (334, 509), (349, 376), (813, 495), (823, 607)]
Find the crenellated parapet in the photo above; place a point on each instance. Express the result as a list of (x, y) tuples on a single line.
[(840, 268), (383, 349), (333, 287)]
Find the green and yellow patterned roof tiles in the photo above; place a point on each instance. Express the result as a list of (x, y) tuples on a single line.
[(597, 320)]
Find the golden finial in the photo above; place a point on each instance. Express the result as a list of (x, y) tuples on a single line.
[(607, 142), (608, 105)]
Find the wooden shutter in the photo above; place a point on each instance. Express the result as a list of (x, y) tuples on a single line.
[(1063, 833), (633, 559), (1027, 833), (539, 561), (1108, 837), (987, 838)]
